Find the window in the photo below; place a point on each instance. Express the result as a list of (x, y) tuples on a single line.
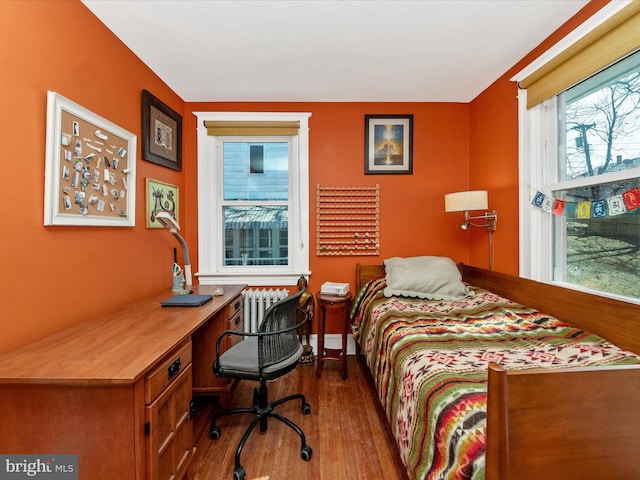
[(256, 158), (596, 241), (255, 206), (591, 240), (253, 198)]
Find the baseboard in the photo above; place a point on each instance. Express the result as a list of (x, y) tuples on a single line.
[(333, 340)]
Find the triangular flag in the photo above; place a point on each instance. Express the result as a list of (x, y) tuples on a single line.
[(632, 198), (584, 209), (558, 207), (615, 205), (598, 210)]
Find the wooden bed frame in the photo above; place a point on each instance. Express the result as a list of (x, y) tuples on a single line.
[(579, 423)]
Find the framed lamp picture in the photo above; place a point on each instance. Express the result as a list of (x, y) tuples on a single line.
[(388, 143), (161, 133), (160, 197)]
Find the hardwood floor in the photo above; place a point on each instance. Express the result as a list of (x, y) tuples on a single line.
[(346, 430)]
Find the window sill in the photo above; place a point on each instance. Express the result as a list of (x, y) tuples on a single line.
[(254, 280)]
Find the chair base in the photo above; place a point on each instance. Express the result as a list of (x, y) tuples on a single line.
[(262, 410)]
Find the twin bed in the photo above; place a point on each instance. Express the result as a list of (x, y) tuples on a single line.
[(477, 383)]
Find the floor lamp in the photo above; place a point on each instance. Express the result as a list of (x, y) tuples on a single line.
[(473, 201)]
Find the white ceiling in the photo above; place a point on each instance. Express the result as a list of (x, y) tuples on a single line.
[(330, 50)]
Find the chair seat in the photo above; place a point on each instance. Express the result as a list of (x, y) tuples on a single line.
[(241, 361)]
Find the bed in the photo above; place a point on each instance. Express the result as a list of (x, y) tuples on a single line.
[(466, 396)]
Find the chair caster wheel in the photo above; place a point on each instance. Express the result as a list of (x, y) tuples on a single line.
[(306, 452), (239, 473), (306, 409), (214, 434)]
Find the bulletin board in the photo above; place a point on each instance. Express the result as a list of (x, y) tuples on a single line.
[(90, 168), (348, 220)]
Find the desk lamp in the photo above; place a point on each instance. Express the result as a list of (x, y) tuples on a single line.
[(169, 222), (467, 202)]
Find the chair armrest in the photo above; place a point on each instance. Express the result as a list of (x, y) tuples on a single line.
[(259, 334), (223, 335)]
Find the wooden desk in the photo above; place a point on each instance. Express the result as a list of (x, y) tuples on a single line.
[(116, 389)]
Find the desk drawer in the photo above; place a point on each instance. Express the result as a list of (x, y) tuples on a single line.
[(236, 323), (235, 306), (166, 372)]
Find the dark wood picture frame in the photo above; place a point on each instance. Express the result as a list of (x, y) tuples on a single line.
[(161, 133), (388, 143)]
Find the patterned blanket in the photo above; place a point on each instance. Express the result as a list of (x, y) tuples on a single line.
[(429, 360)]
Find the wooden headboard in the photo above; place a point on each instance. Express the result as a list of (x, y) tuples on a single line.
[(615, 320)]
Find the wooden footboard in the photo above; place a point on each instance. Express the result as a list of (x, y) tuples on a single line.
[(578, 423)]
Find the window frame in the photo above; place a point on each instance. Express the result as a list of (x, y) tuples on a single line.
[(537, 159), (210, 236)]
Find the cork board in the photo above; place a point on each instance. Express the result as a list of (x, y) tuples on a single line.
[(90, 168), (348, 220)]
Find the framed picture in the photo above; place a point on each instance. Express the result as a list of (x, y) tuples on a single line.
[(90, 168), (161, 133), (388, 143), (161, 197)]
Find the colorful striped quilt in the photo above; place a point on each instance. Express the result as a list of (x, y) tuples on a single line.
[(429, 359)]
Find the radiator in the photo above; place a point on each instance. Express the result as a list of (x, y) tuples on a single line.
[(256, 302)]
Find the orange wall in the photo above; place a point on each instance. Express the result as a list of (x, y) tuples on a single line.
[(412, 217), (56, 276), (494, 152)]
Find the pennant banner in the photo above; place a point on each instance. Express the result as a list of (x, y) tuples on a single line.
[(615, 205)]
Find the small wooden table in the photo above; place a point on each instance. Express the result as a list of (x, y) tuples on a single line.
[(343, 304)]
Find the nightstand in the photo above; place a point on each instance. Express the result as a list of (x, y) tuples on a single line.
[(341, 303)]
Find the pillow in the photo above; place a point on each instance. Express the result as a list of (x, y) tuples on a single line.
[(429, 277)]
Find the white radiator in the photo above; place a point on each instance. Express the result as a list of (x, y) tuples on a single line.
[(256, 302)]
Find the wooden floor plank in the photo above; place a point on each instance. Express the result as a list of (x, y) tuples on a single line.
[(346, 430)]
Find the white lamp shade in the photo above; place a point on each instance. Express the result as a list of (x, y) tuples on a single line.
[(466, 201), (167, 221)]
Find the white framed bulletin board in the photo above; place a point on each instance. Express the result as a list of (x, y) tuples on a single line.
[(90, 170)]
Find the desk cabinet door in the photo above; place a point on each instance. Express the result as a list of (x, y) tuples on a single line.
[(170, 433)]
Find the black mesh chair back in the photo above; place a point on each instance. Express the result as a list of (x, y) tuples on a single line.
[(282, 341)]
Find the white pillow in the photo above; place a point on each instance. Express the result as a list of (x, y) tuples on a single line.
[(429, 277)]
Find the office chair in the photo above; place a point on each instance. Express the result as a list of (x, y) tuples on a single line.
[(265, 355)]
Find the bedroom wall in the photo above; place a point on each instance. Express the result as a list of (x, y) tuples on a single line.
[(412, 217), (57, 276), (493, 157)]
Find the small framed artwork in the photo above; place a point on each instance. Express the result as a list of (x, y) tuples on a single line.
[(90, 168), (161, 133), (388, 143), (161, 197)]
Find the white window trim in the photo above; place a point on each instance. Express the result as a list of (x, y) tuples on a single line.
[(534, 125), (536, 226), (210, 238)]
